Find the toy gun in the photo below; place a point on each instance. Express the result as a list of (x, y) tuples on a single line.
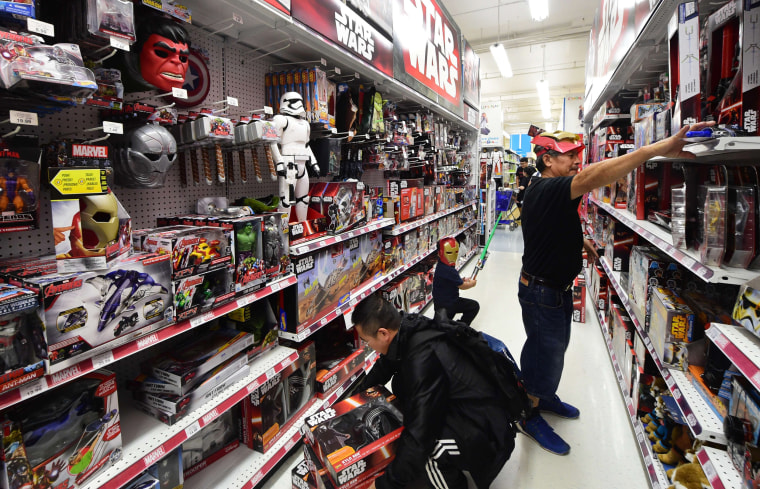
[(482, 259)]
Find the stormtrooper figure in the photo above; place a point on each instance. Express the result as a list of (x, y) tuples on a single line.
[(293, 157)]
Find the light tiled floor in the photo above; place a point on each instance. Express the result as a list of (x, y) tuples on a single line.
[(604, 452)]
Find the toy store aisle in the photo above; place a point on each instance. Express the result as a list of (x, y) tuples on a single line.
[(604, 450)]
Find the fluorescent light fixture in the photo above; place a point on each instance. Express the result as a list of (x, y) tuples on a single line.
[(539, 9), (542, 87), (500, 56)]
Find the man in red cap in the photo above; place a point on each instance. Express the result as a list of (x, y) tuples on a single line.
[(554, 242), (447, 283)]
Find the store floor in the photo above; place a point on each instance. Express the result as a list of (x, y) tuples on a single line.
[(604, 452)]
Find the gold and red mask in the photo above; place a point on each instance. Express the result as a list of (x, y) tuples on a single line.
[(163, 62), (448, 251)]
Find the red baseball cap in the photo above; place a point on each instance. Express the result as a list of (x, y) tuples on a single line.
[(560, 141)]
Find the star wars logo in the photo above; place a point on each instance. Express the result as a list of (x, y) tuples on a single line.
[(354, 32), (321, 417), (297, 229), (432, 54), (305, 264), (352, 472), (750, 120)]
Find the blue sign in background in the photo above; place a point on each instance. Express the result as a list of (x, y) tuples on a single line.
[(520, 144)]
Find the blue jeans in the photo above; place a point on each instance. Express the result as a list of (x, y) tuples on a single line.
[(547, 314)]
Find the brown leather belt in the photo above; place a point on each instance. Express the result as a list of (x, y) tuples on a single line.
[(542, 281)]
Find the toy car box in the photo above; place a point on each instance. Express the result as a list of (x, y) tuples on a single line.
[(671, 327), (215, 440), (73, 432), (87, 313), (331, 433), (193, 251), (158, 394), (276, 245), (199, 293), (99, 228), (22, 344), (183, 367)]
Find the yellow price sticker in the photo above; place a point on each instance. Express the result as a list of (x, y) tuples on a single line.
[(79, 182)]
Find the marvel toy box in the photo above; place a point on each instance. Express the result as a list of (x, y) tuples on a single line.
[(69, 435), (193, 251), (276, 245), (183, 367), (248, 253), (355, 438), (22, 344), (199, 293), (86, 313), (215, 440)]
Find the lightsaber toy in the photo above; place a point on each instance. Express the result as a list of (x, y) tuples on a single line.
[(482, 259)]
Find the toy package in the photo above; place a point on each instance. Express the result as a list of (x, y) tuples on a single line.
[(83, 313), (300, 377), (215, 440), (193, 251), (746, 310), (371, 253), (343, 204), (199, 293), (248, 253), (360, 431), (259, 320), (338, 356), (618, 240), (671, 328), (183, 368), (647, 268), (711, 224), (144, 481), (65, 436), (264, 414), (19, 184), (276, 245), (168, 471), (22, 344), (111, 18), (740, 236), (322, 282)]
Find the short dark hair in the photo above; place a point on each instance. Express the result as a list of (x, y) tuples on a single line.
[(523, 159), (374, 313), (540, 165)]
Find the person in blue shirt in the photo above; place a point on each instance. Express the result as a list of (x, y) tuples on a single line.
[(447, 283)]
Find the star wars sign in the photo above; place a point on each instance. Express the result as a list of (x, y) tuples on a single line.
[(344, 26), (427, 51)]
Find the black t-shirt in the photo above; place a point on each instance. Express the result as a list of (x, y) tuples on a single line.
[(446, 282), (552, 230)]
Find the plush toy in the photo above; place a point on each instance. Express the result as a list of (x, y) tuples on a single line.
[(689, 476)]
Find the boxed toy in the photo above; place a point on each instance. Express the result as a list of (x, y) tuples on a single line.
[(711, 223), (276, 244), (643, 185), (408, 203), (371, 253), (394, 293), (684, 65), (410, 249), (259, 320), (300, 379), (322, 283), (215, 440), (671, 327), (22, 344), (618, 241), (429, 198), (83, 313), (648, 268), (724, 64), (393, 251), (319, 476), (72, 432), (19, 184), (144, 481), (579, 299), (200, 293), (194, 250), (347, 454), (744, 408), (741, 232), (248, 253), (355, 265), (265, 414), (746, 310), (183, 367), (169, 471)]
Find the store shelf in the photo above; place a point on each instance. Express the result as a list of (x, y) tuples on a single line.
[(608, 120), (662, 239), (310, 327), (133, 346), (702, 420), (462, 229), (403, 228), (322, 242), (654, 469), (720, 149), (719, 470), (740, 346), (146, 440)]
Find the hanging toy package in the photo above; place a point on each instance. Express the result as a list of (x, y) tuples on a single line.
[(111, 18), (19, 183)]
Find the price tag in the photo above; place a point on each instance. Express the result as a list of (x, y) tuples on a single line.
[(113, 127), (232, 101), (179, 93), (323, 61), (100, 361), (193, 428), (270, 373), (691, 419), (334, 130), (23, 118), (705, 272), (338, 392), (291, 443), (323, 321), (356, 75), (710, 472), (669, 381), (118, 43), (756, 378), (275, 286), (32, 388), (196, 321), (350, 234), (337, 71), (322, 243), (237, 18), (268, 110), (40, 27), (687, 261), (244, 301), (676, 393), (720, 340)]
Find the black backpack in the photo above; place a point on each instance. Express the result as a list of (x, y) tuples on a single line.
[(490, 356)]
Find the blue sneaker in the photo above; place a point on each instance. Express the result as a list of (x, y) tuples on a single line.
[(558, 408), (537, 429)]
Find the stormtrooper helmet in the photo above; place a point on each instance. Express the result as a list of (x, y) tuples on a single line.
[(149, 153), (291, 103)]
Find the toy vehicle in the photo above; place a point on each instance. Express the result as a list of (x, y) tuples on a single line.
[(204, 251)]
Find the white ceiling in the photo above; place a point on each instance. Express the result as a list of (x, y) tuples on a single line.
[(554, 49)]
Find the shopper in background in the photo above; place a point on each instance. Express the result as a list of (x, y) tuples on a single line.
[(553, 243), (522, 180), (447, 283), (453, 420)]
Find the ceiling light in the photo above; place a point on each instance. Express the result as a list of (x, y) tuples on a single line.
[(542, 87), (539, 9), (500, 56)]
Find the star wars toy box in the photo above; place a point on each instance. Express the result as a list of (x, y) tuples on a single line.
[(371, 253), (684, 63), (618, 241), (723, 79), (200, 293), (19, 184), (356, 437), (746, 311), (276, 245), (93, 230), (355, 265), (183, 368), (22, 341), (194, 250), (300, 378), (64, 437), (312, 474), (86, 313), (671, 327), (343, 205), (648, 268), (393, 251), (338, 356), (218, 437), (579, 299)]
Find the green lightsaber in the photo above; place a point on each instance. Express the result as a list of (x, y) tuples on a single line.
[(482, 259)]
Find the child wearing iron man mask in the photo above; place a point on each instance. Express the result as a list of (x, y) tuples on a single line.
[(447, 283)]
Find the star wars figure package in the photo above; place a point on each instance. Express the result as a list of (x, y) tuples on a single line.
[(63, 437)]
